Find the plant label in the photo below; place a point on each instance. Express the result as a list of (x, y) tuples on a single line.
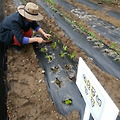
[(97, 100)]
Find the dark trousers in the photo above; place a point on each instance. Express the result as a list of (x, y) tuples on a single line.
[(3, 87)]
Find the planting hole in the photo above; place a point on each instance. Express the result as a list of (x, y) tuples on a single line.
[(58, 82), (67, 102), (49, 57), (67, 67), (55, 69)]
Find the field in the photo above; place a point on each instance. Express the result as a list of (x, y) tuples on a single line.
[(90, 33)]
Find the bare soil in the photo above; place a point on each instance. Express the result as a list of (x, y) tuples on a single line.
[(28, 98)]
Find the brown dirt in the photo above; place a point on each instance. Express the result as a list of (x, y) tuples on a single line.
[(28, 98), (115, 5), (98, 13)]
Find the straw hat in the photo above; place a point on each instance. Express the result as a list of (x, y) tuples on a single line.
[(30, 11)]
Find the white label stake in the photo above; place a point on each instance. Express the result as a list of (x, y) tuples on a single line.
[(97, 100)]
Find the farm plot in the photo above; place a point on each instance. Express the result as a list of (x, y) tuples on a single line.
[(58, 63)]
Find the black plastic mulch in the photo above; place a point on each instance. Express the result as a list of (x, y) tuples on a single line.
[(60, 76), (102, 27), (98, 6), (104, 62)]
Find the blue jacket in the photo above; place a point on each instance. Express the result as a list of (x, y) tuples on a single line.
[(14, 24)]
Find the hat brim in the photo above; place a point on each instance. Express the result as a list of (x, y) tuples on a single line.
[(29, 16)]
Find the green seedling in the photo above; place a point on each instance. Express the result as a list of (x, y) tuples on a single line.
[(100, 41), (54, 9), (64, 47), (68, 101), (79, 24), (54, 45), (62, 54), (50, 32), (113, 45), (24, 2), (48, 38), (115, 53), (61, 15), (92, 34), (73, 22), (72, 55), (67, 19), (54, 36), (48, 57), (58, 82), (83, 28), (117, 59), (50, 2), (58, 41), (33, 33), (43, 49), (118, 50)]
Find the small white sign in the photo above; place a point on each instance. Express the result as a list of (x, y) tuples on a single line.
[(100, 104)]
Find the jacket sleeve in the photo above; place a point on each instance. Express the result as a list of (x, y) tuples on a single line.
[(17, 31), (34, 25)]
